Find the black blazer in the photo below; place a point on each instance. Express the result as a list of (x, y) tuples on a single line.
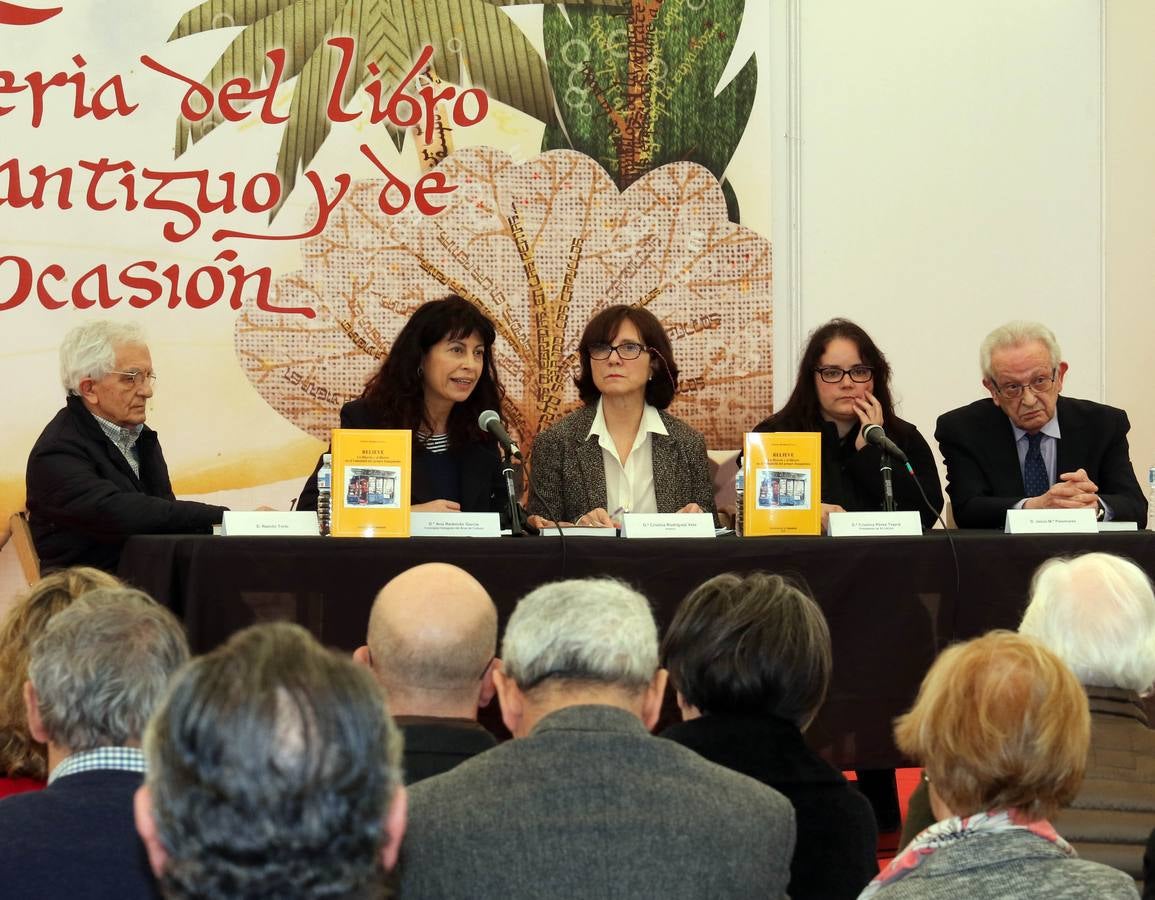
[(84, 500), (851, 479), (834, 856), (482, 481), (984, 478)]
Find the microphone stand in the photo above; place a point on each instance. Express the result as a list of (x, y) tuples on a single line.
[(885, 466), (516, 529)]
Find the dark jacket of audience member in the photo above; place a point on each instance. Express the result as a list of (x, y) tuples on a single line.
[(750, 660), (434, 745)]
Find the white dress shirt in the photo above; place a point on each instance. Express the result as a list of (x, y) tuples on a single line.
[(630, 486)]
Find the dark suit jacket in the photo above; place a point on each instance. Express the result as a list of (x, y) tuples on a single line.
[(568, 477), (984, 478), (435, 745), (851, 478), (84, 500), (837, 836), (482, 481), (75, 838), (591, 805)]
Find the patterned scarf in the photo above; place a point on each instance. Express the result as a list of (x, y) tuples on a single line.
[(951, 831)]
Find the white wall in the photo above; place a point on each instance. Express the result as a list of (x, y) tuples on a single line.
[(941, 168)]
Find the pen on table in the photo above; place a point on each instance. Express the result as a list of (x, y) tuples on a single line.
[(292, 504), (617, 512)]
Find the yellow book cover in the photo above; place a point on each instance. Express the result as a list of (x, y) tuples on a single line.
[(783, 478), (371, 472)]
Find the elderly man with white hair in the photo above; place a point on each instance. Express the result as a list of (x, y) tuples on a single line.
[(1027, 447), (1096, 612), (585, 802), (97, 475)]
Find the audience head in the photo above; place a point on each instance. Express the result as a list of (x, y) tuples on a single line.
[(752, 645), (1097, 612), (20, 755), (108, 365), (844, 345), (999, 722), (580, 641), (1023, 371), (444, 352), (652, 373), (273, 771), (431, 643), (100, 668)]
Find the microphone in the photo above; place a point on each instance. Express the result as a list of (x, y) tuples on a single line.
[(873, 434), (491, 422)]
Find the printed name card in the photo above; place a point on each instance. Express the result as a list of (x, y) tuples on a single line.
[(1118, 526), (451, 524), (251, 524), (667, 525), (875, 524), (1051, 521)]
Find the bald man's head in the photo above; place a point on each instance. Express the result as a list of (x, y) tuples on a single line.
[(432, 636)]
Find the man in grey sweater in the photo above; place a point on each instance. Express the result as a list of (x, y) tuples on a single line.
[(585, 801)]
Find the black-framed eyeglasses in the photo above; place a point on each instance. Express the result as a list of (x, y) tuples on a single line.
[(1040, 384), (137, 378), (627, 350), (835, 374)]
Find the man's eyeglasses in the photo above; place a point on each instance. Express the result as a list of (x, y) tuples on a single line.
[(835, 374), (137, 378), (1040, 384), (628, 350)]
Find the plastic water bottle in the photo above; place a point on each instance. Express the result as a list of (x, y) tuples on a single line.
[(325, 494), (739, 492), (1151, 498)]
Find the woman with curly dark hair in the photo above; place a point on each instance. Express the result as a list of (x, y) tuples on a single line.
[(438, 377)]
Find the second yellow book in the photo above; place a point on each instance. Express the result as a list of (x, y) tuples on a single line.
[(783, 480), (371, 482)]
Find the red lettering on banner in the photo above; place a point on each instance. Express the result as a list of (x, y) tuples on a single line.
[(38, 86)]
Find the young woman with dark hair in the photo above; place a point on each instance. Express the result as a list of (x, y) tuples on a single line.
[(843, 385), (438, 377)]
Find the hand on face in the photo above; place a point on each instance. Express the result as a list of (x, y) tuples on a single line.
[(839, 401), (869, 413), (1074, 490)]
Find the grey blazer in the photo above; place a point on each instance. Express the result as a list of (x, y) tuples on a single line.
[(591, 805), (569, 478)]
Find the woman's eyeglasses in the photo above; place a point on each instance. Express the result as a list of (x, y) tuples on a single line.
[(834, 374), (628, 350)]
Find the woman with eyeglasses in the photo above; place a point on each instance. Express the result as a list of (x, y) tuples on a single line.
[(844, 385), (621, 452), (438, 377)]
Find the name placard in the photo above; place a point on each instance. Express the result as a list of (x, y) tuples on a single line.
[(667, 525), (875, 524), (1117, 526), (1051, 521), (454, 524), (251, 524)]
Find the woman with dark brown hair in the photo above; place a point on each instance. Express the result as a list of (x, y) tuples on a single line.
[(621, 451), (843, 385), (438, 377)]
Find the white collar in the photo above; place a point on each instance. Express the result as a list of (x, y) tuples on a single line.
[(1051, 429), (651, 423)]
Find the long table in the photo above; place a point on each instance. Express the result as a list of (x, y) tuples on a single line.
[(892, 603)]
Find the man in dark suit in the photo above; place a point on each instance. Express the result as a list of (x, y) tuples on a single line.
[(96, 474), (585, 802), (95, 676), (431, 644), (1030, 448)]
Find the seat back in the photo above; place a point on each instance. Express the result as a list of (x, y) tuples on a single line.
[(25, 549)]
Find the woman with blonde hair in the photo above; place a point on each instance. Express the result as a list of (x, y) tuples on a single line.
[(1001, 727), (23, 761)]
